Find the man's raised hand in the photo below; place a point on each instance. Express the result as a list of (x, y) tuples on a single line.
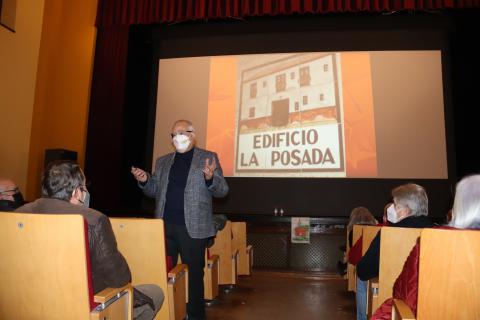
[(209, 168)]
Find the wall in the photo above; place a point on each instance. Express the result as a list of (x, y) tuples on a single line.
[(63, 84), (18, 70)]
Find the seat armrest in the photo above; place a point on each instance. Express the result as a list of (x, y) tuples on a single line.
[(372, 296), (177, 272), (212, 260), (249, 248), (108, 293), (235, 254), (401, 311)]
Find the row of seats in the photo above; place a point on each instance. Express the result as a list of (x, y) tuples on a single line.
[(45, 267), (448, 284)]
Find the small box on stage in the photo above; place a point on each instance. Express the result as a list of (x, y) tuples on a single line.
[(59, 154)]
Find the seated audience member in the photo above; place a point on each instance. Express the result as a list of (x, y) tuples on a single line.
[(464, 215), (466, 205), (359, 215), (10, 196), (408, 210), (64, 192), (385, 214)]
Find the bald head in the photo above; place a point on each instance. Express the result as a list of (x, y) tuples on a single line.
[(184, 124), (7, 189)]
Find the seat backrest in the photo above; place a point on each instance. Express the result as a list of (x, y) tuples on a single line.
[(357, 233), (223, 248), (449, 277), (239, 242), (395, 246), (351, 270), (43, 269), (368, 234), (142, 243), (239, 235)]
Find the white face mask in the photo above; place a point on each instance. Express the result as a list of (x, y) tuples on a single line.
[(181, 142), (392, 214)]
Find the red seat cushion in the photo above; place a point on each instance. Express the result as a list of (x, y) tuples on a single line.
[(169, 263), (355, 253), (384, 312), (405, 287)]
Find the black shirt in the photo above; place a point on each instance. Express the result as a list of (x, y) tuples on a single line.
[(177, 180)]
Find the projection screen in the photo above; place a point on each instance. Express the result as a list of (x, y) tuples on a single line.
[(367, 114)]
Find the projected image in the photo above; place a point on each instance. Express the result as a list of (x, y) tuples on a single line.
[(290, 116), (293, 115), (365, 114)]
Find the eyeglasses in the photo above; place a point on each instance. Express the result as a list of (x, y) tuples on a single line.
[(10, 192), (182, 133)]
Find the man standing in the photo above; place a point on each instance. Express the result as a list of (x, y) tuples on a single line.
[(183, 185)]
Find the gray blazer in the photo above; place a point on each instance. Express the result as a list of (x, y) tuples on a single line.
[(197, 198)]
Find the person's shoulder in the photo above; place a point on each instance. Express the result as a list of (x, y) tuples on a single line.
[(26, 208), (92, 216), (164, 157), (204, 152), (425, 222)]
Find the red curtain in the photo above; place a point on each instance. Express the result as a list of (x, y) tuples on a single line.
[(127, 12), (105, 120)]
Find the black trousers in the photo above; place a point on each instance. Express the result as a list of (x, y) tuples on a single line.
[(192, 252)]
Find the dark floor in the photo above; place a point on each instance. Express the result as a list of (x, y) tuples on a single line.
[(285, 296)]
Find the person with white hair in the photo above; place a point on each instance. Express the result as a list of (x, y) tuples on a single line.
[(465, 215), (408, 210), (466, 206)]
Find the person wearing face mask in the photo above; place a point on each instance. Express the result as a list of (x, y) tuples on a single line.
[(408, 210), (64, 192), (183, 185), (10, 196)]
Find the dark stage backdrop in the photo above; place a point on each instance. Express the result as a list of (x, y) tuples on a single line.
[(132, 120)]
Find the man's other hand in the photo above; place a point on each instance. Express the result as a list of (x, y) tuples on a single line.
[(139, 174)]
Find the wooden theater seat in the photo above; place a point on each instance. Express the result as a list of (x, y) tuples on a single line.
[(142, 242), (44, 271), (368, 234), (449, 281), (228, 256), (245, 252), (395, 246), (351, 269), (210, 278)]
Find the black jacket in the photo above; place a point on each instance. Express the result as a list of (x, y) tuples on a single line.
[(368, 267)]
